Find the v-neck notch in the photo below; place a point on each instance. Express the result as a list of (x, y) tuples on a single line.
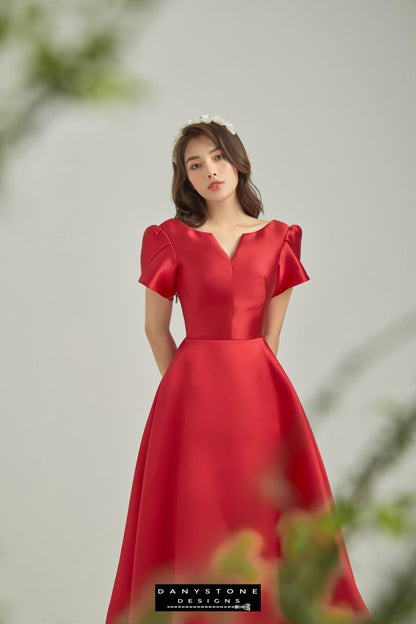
[(212, 235)]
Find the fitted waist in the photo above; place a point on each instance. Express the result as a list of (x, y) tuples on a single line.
[(224, 339), (224, 347)]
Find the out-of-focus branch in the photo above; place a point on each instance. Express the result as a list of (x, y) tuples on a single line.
[(355, 362), (52, 53), (398, 601)]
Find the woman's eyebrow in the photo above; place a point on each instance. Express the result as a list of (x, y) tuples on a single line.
[(195, 157)]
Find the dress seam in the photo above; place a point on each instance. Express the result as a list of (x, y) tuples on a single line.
[(170, 243), (175, 294)]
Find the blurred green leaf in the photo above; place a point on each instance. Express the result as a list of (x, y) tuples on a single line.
[(71, 51)]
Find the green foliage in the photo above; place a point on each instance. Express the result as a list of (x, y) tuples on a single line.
[(397, 516), (63, 52)]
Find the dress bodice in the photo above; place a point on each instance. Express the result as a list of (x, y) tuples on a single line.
[(221, 297)]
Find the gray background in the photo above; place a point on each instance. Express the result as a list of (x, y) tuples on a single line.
[(322, 95)]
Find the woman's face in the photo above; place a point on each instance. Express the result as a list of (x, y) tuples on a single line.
[(205, 163)]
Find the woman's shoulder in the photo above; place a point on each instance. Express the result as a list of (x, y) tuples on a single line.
[(288, 229), (169, 224), (281, 228), (165, 228)]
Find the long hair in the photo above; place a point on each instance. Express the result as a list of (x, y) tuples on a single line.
[(190, 206)]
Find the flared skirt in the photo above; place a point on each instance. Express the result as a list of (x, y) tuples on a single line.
[(227, 467)]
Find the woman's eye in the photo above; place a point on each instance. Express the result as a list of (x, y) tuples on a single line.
[(195, 165)]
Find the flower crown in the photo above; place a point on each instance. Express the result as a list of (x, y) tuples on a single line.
[(201, 119)]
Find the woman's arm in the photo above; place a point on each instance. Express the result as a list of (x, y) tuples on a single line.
[(274, 318), (158, 311)]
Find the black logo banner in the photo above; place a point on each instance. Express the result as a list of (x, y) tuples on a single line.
[(211, 597)]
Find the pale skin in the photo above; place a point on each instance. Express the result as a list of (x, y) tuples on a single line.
[(227, 221)]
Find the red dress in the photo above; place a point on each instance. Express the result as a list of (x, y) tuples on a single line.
[(227, 449)]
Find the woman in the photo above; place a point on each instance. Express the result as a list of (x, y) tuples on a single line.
[(227, 450)]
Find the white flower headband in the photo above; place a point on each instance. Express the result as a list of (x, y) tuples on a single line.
[(202, 119)]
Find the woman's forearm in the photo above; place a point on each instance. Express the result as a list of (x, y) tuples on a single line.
[(163, 348), (272, 341)]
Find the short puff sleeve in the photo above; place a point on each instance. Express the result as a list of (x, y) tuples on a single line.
[(290, 269), (158, 262)]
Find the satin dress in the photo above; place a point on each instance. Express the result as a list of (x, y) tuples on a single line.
[(227, 449)]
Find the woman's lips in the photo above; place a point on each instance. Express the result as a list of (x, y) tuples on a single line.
[(215, 185)]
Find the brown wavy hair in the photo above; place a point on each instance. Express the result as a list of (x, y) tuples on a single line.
[(190, 206)]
